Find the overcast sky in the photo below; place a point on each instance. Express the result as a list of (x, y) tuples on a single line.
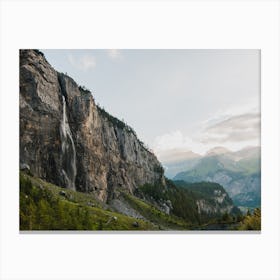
[(174, 99)]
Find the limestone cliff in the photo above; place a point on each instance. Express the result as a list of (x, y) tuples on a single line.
[(66, 139)]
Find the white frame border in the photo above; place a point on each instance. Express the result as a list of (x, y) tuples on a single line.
[(124, 24)]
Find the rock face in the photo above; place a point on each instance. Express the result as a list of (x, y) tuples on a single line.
[(220, 203), (66, 139), (210, 198)]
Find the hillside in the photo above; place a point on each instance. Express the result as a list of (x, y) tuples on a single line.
[(44, 206), (210, 197)]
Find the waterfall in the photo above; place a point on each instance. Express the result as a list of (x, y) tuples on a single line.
[(68, 151)]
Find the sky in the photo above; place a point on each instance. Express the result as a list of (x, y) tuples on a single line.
[(175, 100)]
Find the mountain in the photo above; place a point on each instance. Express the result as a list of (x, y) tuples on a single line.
[(210, 197), (218, 151), (238, 172), (177, 160), (66, 139), (82, 168), (176, 155)]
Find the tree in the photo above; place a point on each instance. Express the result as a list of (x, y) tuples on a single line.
[(252, 221), (226, 217), (100, 225)]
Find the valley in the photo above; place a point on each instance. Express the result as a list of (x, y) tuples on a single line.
[(81, 168)]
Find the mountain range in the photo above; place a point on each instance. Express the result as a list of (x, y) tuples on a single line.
[(238, 172)]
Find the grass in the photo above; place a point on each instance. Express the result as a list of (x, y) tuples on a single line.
[(43, 207), (157, 217)]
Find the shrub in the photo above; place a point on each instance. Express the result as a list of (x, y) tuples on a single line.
[(252, 221)]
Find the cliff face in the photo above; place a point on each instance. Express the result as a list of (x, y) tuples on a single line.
[(218, 202), (65, 138)]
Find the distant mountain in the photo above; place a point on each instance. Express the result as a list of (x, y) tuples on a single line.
[(176, 155), (176, 160), (238, 172), (218, 151), (246, 153)]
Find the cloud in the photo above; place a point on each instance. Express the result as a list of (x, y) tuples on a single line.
[(176, 155), (234, 133), (114, 54), (224, 114), (239, 128), (82, 62), (169, 141), (175, 141)]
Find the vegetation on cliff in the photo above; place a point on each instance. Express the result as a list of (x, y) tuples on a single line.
[(184, 199), (122, 125), (115, 121)]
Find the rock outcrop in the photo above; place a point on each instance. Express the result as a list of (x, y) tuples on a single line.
[(66, 139)]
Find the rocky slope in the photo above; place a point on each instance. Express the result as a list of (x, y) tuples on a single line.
[(66, 139)]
